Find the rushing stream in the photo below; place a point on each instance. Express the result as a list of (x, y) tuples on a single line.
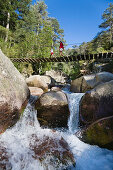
[(16, 140), (73, 102)]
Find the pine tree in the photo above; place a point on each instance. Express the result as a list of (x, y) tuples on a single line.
[(108, 21), (57, 31), (11, 11)]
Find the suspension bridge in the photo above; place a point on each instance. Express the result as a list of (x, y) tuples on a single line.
[(70, 58)]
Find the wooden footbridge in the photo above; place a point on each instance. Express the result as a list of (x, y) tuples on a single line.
[(66, 58)]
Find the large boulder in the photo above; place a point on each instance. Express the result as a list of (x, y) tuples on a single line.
[(49, 80), (97, 103), (41, 151), (43, 82), (53, 152), (35, 91), (59, 76), (52, 109), (13, 93), (103, 77), (99, 133), (88, 82), (82, 84)]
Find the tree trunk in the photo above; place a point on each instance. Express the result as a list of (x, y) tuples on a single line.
[(7, 26)]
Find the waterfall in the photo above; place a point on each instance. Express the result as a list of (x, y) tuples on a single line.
[(87, 156), (73, 102), (17, 140)]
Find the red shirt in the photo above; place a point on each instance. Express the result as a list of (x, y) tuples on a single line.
[(61, 45)]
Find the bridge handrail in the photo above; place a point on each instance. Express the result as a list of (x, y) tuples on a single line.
[(65, 58)]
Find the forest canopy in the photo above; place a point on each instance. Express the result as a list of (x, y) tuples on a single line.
[(26, 30)]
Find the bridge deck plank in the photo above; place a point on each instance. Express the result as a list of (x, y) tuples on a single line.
[(65, 58)]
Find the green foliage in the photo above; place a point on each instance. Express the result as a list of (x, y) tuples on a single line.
[(2, 33), (15, 8), (103, 41), (57, 32), (34, 30), (32, 33), (108, 18), (75, 71), (72, 69), (108, 23), (101, 50)]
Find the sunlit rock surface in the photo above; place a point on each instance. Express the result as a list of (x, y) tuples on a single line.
[(56, 89), (43, 82), (52, 109), (96, 114), (89, 82), (35, 91), (97, 103), (59, 76), (80, 85), (13, 93)]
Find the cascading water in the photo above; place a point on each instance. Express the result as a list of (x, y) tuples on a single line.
[(73, 102), (16, 141), (87, 156)]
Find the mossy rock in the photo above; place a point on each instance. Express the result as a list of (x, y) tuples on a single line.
[(100, 133)]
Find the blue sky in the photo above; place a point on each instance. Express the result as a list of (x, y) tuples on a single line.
[(78, 18)]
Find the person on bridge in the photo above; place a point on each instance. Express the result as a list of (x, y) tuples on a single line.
[(61, 48), (51, 51)]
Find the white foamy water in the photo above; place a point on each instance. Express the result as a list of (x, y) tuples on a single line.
[(17, 140), (73, 101), (88, 157)]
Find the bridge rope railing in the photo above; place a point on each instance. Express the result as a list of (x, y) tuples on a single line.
[(70, 58)]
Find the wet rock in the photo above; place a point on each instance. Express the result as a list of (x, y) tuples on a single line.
[(14, 93), (35, 91), (52, 109), (99, 133), (4, 159), (48, 152), (89, 82), (97, 103), (43, 82), (53, 152)]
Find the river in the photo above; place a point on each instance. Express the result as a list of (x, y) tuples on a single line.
[(16, 140)]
